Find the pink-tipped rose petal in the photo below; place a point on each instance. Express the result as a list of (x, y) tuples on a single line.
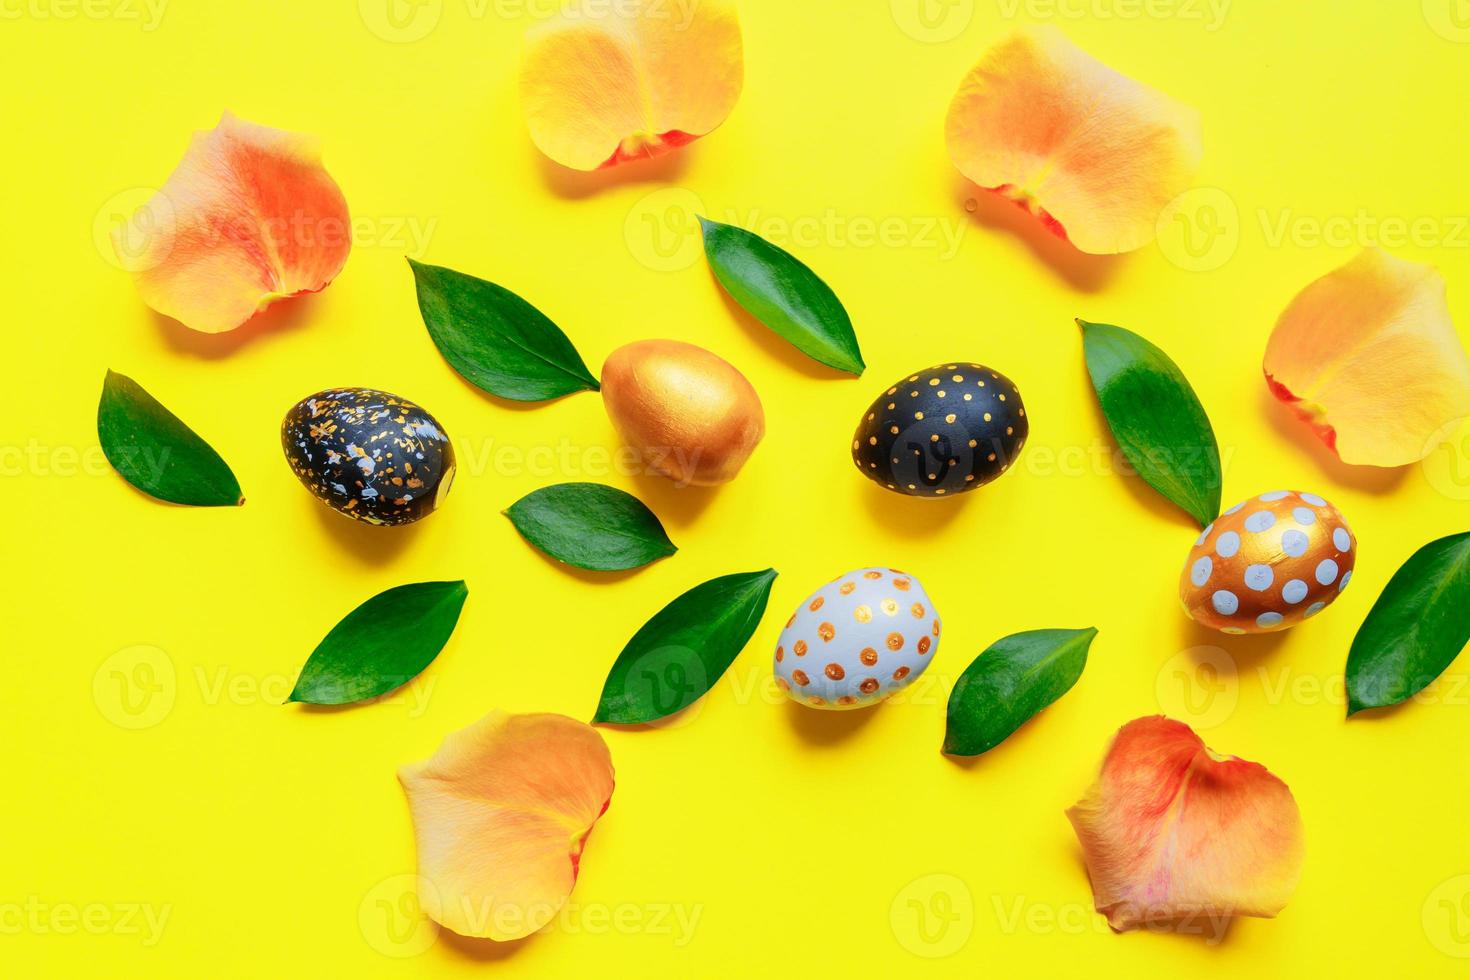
[(249, 217), (501, 813), (1093, 154), (605, 83), (1175, 835), (1368, 357)]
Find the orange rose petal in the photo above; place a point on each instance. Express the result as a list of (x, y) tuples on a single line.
[(501, 813), (618, 82), (1175, 835), (249, 217), (1368, 357), (1093, 154)]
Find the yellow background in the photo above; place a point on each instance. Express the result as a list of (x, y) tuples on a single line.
[(152, 767)]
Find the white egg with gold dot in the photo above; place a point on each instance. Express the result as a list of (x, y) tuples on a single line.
[(857, 640)]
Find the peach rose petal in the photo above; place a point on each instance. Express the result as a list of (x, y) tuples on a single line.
[(501, 813), (1093, 154), (249, 217), (1177, 836), (1368, 357), (602, 83)]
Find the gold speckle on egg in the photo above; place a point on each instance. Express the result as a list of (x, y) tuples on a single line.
[(936, 628), (942, 392), (895, 641), (869, 656), (919, 416), (950, 418), (917, 610), (846, 588), (791, 622), (847, 700), (826, 631), (900, 673), (799, 648), (872, 440), (816, 604), (781, 683), (968, 396), (987, 416), (780, 654), (890, 607), (869, 685), (834, 672), (959, 377), (973, 443), (934, 382), (862, 614), (815, 701), (893, 430), (934, 438), (924, 644), (901, 584), (800, 677), (873, 575)]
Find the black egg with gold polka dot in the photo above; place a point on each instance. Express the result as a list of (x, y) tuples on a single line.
[(941, 431), (369, 454)]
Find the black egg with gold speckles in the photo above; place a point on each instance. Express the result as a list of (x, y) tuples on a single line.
[(941, 431), (371, 455)]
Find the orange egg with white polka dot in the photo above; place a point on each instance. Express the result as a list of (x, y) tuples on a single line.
[(1268, 563), (857, 640)]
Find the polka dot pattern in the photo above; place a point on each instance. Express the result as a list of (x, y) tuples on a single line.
[(868, 634), (1268, 563), (942, 431)]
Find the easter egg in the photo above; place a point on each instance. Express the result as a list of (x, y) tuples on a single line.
[(371, 455), (689, 413), (942, 431), (1268, 563), (857, 640)]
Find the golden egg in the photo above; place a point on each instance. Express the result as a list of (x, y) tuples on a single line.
[(690, 414), (1268, 563)]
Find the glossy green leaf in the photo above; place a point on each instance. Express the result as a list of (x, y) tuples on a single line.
[(156, 452), (382, 644), (781, 292), (591, 526), (1009, 683), (1156, 418), (1419, 625), (496, 340), (680, 653)]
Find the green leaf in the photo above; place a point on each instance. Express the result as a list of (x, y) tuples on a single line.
[(1419, 625), (156, 452), (591, 526), (781, 292), (1156, 418), (1009, 683), (680, 653), (382, 644), (497, 341)]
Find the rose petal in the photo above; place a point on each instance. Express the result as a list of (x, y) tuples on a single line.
[(501, 813), (1093, 154), (1174, 834), (618, 82), (1368, 357), (247, 218)]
